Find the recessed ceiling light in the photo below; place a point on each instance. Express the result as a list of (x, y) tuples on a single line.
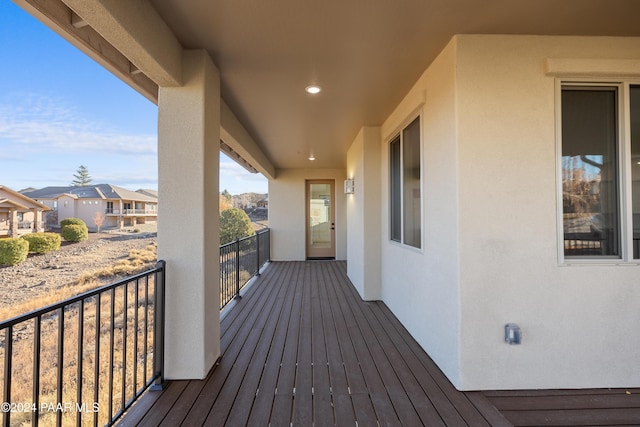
[(313, 89), (312, 157)]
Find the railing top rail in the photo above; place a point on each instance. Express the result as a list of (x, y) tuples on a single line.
[(263, 231), (52, 307)]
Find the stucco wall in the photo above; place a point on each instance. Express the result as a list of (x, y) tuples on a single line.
[(580, 323), (66, 208), (86, 210), (490, 224), (363, 214), (287, 212), (421, 286)]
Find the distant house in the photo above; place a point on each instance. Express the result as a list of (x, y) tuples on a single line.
[(19, 214), (249, 200), (121, 207)]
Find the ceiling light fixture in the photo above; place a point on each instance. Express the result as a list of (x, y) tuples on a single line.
[(312, 157), (313, 89)]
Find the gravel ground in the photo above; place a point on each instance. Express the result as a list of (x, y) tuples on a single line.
[(40, 274)]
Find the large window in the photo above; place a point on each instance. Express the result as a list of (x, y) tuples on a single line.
[(600, 171), (404, 183)]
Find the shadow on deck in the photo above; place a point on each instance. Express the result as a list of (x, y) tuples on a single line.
[(301, 348)]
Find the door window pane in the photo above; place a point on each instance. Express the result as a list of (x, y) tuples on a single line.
[(320, 216), (590, 202)]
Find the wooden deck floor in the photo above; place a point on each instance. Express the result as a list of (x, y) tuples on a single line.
[(301, 348)]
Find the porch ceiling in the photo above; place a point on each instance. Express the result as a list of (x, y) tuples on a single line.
[(364, 54)]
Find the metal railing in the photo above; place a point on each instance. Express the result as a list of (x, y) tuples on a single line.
[(85, 360), (111, 211), (240, 261)]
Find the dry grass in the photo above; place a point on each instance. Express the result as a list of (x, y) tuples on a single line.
[(130, 345), (138, 260)]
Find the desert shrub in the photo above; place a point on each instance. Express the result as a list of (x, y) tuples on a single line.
[(75, 233), (13, 251), (72, 221), (42, 243)]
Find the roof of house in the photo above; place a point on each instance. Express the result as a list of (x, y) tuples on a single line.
[(11, 198), (99, 191), (148, 192)]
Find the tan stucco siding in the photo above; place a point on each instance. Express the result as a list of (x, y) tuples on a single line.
[(287, 212)]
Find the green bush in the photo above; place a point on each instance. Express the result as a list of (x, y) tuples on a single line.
[(75, 233), (234, 224), (72, 221), (13, 251), (41, 243)]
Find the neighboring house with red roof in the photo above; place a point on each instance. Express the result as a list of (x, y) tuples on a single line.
[(120, 207), (19, 214)]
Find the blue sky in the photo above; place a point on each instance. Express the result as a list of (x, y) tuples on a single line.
[(59, 110)]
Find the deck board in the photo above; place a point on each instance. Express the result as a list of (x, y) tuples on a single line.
[(301, 348)]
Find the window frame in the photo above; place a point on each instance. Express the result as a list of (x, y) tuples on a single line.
[(624, 173), (398, 135)]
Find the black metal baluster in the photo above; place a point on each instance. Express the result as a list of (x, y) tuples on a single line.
[(237, 293), (59, 413), (96, 374), (79, 379), (158, 329), (258, 254), (111, 351), (146, 326), (125, 327), (8, 358), (36, 371), (135, 339)]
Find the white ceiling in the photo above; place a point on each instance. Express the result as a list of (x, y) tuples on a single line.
[(365, 54)]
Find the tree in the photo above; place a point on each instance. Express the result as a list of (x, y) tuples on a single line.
[(234, 224), (224, 203), (82, 177), (225, 193), (98, 219)]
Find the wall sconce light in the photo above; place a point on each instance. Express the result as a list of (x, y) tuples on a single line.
[(512, 334), (349, 186)]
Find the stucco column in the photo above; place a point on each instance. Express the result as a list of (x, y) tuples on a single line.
[(13, 223), (37, 227), (363, 214), (188, 226)]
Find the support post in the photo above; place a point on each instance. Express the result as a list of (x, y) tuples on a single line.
[(188, 234)]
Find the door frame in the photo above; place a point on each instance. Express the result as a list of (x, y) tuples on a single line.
[(328, 253)]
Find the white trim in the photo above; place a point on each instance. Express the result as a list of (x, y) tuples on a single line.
[(416, 114), (625, 180), (624, 173), (407, 119), (573, 67), (559, 199)]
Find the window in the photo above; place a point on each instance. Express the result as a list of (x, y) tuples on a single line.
[(404, 186), (600, 171)]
